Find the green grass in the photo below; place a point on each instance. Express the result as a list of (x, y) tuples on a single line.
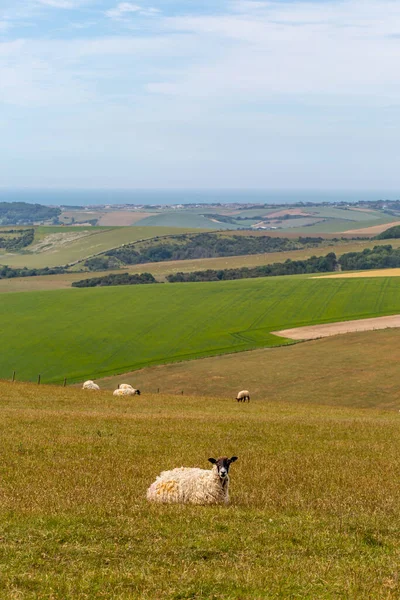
[(314, 510), (79, 333), (92, 242)]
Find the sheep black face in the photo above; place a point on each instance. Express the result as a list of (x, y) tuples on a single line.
[(138, 392), (223, 465)]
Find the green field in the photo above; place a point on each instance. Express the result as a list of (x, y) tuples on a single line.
[(86, 333), (314, 510), (65, 245)]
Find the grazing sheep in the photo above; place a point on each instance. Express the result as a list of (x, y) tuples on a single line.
[(126, 392), (243, 396), (125, 386), (193, 486), (90, 385)]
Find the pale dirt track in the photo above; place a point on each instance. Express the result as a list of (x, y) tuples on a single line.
[(372, 273), (314, 332)]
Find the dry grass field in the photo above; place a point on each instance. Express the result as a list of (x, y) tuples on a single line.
[(314, 513), (370, 273), (354, 370)]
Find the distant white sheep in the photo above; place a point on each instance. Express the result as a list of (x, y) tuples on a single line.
[(90, 385), (125, 386), (243, 396), (193, 486), (126, 392)]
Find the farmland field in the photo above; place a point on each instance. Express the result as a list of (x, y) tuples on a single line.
[(54, 245), (93, 332), (314, 510), (161, 269)]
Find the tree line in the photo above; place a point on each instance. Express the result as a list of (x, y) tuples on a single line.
[(23, 239), (203, 245), (320, 264), (116, 279)]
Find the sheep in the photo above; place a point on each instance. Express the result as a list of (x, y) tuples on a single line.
[(125, 386), (126, 392), (193, 486), (243, 396), (90, 385)]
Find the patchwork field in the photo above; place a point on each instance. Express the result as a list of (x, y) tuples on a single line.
[(161, 269), (86, 333), (314, 510)]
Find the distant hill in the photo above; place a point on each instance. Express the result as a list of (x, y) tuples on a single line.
[(22, 213)]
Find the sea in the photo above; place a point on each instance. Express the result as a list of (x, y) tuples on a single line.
[(92, 197)]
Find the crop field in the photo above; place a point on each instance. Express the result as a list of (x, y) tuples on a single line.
[(314, 509), (88, 333), (161, 269), (351, 370), (57, 246)]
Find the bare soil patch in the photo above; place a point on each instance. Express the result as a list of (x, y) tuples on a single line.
[(290, 211), (314, 332), (122, 217), (53, 241)]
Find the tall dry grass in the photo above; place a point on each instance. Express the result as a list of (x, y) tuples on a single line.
[(314, 513)]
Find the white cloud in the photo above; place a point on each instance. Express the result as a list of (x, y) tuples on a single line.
[(274, 88), (123, 9), (57, 3)]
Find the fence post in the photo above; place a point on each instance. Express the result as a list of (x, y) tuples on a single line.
[(38, 380), (158, 390), (65, 381), (13, 376), (182, 392)]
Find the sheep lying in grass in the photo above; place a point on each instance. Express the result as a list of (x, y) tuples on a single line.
[(128, 391), (193, 486), (125, 386), (90, 385), (243, 396)]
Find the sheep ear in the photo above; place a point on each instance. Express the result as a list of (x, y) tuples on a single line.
[(233, 459), (212, 460)]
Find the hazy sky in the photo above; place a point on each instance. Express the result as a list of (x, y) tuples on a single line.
[(200, 93)]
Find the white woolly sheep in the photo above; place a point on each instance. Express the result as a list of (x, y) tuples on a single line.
[(125, 386), (193, 486), (126, 392), (90, 385), (243, 396)]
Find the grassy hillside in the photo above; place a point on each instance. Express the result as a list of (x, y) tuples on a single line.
[(314, 507), (347, 370), (56, 246), (92, 332)]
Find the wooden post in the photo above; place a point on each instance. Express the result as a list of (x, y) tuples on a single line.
[(158, 390), (13, 376), (38, 380), (65, 381), (182, 392)]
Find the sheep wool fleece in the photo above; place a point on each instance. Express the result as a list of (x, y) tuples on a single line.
[(189, 486)]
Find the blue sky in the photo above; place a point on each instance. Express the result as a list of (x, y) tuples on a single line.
[(200, 94)]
